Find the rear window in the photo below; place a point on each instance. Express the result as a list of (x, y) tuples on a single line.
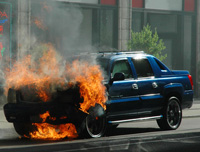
[(161, 66), (143, 68)]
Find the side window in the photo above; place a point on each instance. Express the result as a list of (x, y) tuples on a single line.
[(122, 66), (143, 68)]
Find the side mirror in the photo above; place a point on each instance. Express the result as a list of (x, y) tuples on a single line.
[(117, 77)]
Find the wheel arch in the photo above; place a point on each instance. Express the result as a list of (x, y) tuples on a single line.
[(174, 89), (174, 94)]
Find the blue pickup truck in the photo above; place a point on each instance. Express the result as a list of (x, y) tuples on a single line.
[(139, 87)]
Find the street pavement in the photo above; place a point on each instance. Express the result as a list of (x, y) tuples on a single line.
[(194, 111), (149, 139)]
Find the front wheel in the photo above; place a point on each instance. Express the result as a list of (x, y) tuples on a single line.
[(95, 123), (23, 129), (95, 126), (172, 115)]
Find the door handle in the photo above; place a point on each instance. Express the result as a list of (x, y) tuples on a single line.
[(135, 86), (154, 85)]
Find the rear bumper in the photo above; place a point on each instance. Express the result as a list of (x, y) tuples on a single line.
[(30, 112)]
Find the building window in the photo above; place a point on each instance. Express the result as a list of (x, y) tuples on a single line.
[(167, 28), (137, 21), (187, 42), (163, 23), (106, 28), (73, 28), (173, 5)]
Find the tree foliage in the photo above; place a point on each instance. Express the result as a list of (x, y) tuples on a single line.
[(148, 42)]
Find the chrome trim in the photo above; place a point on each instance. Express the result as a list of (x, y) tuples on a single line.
[(154, 85), (155, 94), (136, 119), (137, 96), (121, 96)]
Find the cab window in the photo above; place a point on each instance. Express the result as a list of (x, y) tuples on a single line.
[(122, 66), (143, 68)]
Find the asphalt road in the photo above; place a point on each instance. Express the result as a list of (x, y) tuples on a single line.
[(137, 136)]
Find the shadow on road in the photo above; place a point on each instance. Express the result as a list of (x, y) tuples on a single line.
[(126, 131)]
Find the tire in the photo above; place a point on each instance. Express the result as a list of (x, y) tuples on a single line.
[(172, 115), (23, 129), (94, 123)]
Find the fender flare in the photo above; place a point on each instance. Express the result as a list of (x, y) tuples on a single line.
[(173, 88)]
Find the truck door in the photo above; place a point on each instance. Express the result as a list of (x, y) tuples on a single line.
[(149, 87), (124, 100)]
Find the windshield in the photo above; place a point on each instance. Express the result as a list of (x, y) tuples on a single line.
[(104, 66)]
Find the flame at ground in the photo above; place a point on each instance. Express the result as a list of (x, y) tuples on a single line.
[(53, 132), (46, 74)]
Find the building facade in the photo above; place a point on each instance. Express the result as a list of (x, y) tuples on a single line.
[(96, 25)]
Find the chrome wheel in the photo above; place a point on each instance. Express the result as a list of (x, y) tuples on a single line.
[(172, 115), (95, 126)]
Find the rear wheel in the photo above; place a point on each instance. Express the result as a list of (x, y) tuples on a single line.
[(172, 115)]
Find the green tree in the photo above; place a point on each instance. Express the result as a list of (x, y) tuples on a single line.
[(148, 42)]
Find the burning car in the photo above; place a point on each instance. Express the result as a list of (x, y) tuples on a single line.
[(127, 86)]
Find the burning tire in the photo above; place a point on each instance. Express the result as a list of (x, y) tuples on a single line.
[(172, 115), (95, 123)]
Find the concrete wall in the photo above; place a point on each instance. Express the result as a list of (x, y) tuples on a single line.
[(24, 25), (125, 20)]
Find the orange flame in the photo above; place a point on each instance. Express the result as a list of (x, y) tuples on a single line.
[(43, 74), (45, 116), (53, 132), (91, 88), (46, 74)]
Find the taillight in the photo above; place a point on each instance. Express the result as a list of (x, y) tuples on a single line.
[(191, 81)]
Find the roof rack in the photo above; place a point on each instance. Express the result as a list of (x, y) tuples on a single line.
[(122, 52), (132, 52)]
